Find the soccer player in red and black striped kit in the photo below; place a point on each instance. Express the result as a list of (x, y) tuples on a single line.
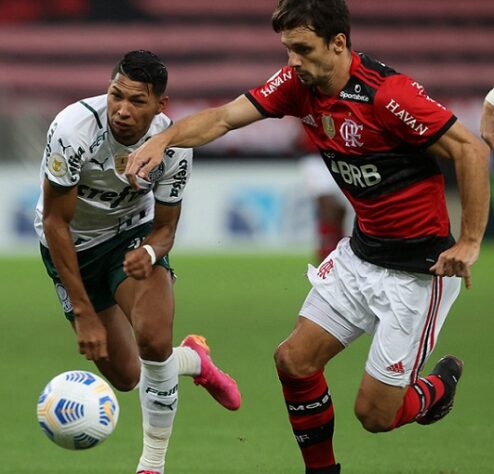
[(397, 277)]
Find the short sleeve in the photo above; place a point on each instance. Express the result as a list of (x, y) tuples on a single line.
[(63, 156), (169, 188), (279, 96), (403, 108)]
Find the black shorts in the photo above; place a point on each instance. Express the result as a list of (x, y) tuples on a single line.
[(101, 268)]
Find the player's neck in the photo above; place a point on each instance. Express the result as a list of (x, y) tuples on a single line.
[(340, 77)]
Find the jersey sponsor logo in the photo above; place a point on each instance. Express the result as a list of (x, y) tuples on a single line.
[(128, 194), (350, 132), (275, 81), (57, 165), (50, 137), (313, 406), (422, 92), (406, 117), (74, 159), (363, 176), (99, 140), (328, 126), (162, 393), (180, 178), (135, 243), (355, 96)]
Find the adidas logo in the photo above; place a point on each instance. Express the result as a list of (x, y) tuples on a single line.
[(309, 120), (398, 368)]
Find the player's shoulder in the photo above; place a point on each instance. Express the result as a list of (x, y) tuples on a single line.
[(384, 81), (372, 69), (82, 119), (160, 123), (283, 78)]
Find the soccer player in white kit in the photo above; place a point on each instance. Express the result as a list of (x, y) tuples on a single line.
[(106, 245)]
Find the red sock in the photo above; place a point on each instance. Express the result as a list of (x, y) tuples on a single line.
[(310, 411), (418, 399)]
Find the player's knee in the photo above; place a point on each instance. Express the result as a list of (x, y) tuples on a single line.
[(289, 361), (124, 378), (154, 346), (124, 384)]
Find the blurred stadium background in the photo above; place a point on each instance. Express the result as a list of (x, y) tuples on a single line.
[(57, 51), (245, 196)]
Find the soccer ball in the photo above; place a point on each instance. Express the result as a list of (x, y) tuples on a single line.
[(77, 410)]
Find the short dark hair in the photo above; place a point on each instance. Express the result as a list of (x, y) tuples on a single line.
[(326, 18), (143, 66)]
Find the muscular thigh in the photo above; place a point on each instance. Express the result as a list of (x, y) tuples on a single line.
[(122, 368), (307, 349), (149, 305)]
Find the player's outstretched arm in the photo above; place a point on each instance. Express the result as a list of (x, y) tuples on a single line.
[(471, 159), (195, 130)]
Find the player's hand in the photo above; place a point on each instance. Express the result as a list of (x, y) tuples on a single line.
[(137, 264), (457, 261), (147, 157), (91, 336)]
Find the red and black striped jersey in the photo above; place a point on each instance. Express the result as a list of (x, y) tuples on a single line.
[(373, 136)]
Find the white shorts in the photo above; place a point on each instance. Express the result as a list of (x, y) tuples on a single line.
[(403, 312)]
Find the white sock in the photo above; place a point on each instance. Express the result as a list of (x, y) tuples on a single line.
[(158, 393), (189, 362)]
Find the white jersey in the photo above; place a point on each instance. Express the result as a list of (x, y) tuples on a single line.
[(81, 151)]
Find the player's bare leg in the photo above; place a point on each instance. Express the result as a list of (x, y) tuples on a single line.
[(123, 367), (300, 361), (150, 304), (381, 407)]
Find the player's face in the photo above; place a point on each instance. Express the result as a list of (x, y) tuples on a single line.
[(314, 60), (131, 108)]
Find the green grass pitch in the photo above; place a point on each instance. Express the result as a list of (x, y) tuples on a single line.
[(244, 305)]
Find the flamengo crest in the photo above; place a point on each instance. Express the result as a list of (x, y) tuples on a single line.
[(350, 132)]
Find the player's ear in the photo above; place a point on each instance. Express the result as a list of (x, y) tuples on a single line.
[(339, 42), (163, 102)]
